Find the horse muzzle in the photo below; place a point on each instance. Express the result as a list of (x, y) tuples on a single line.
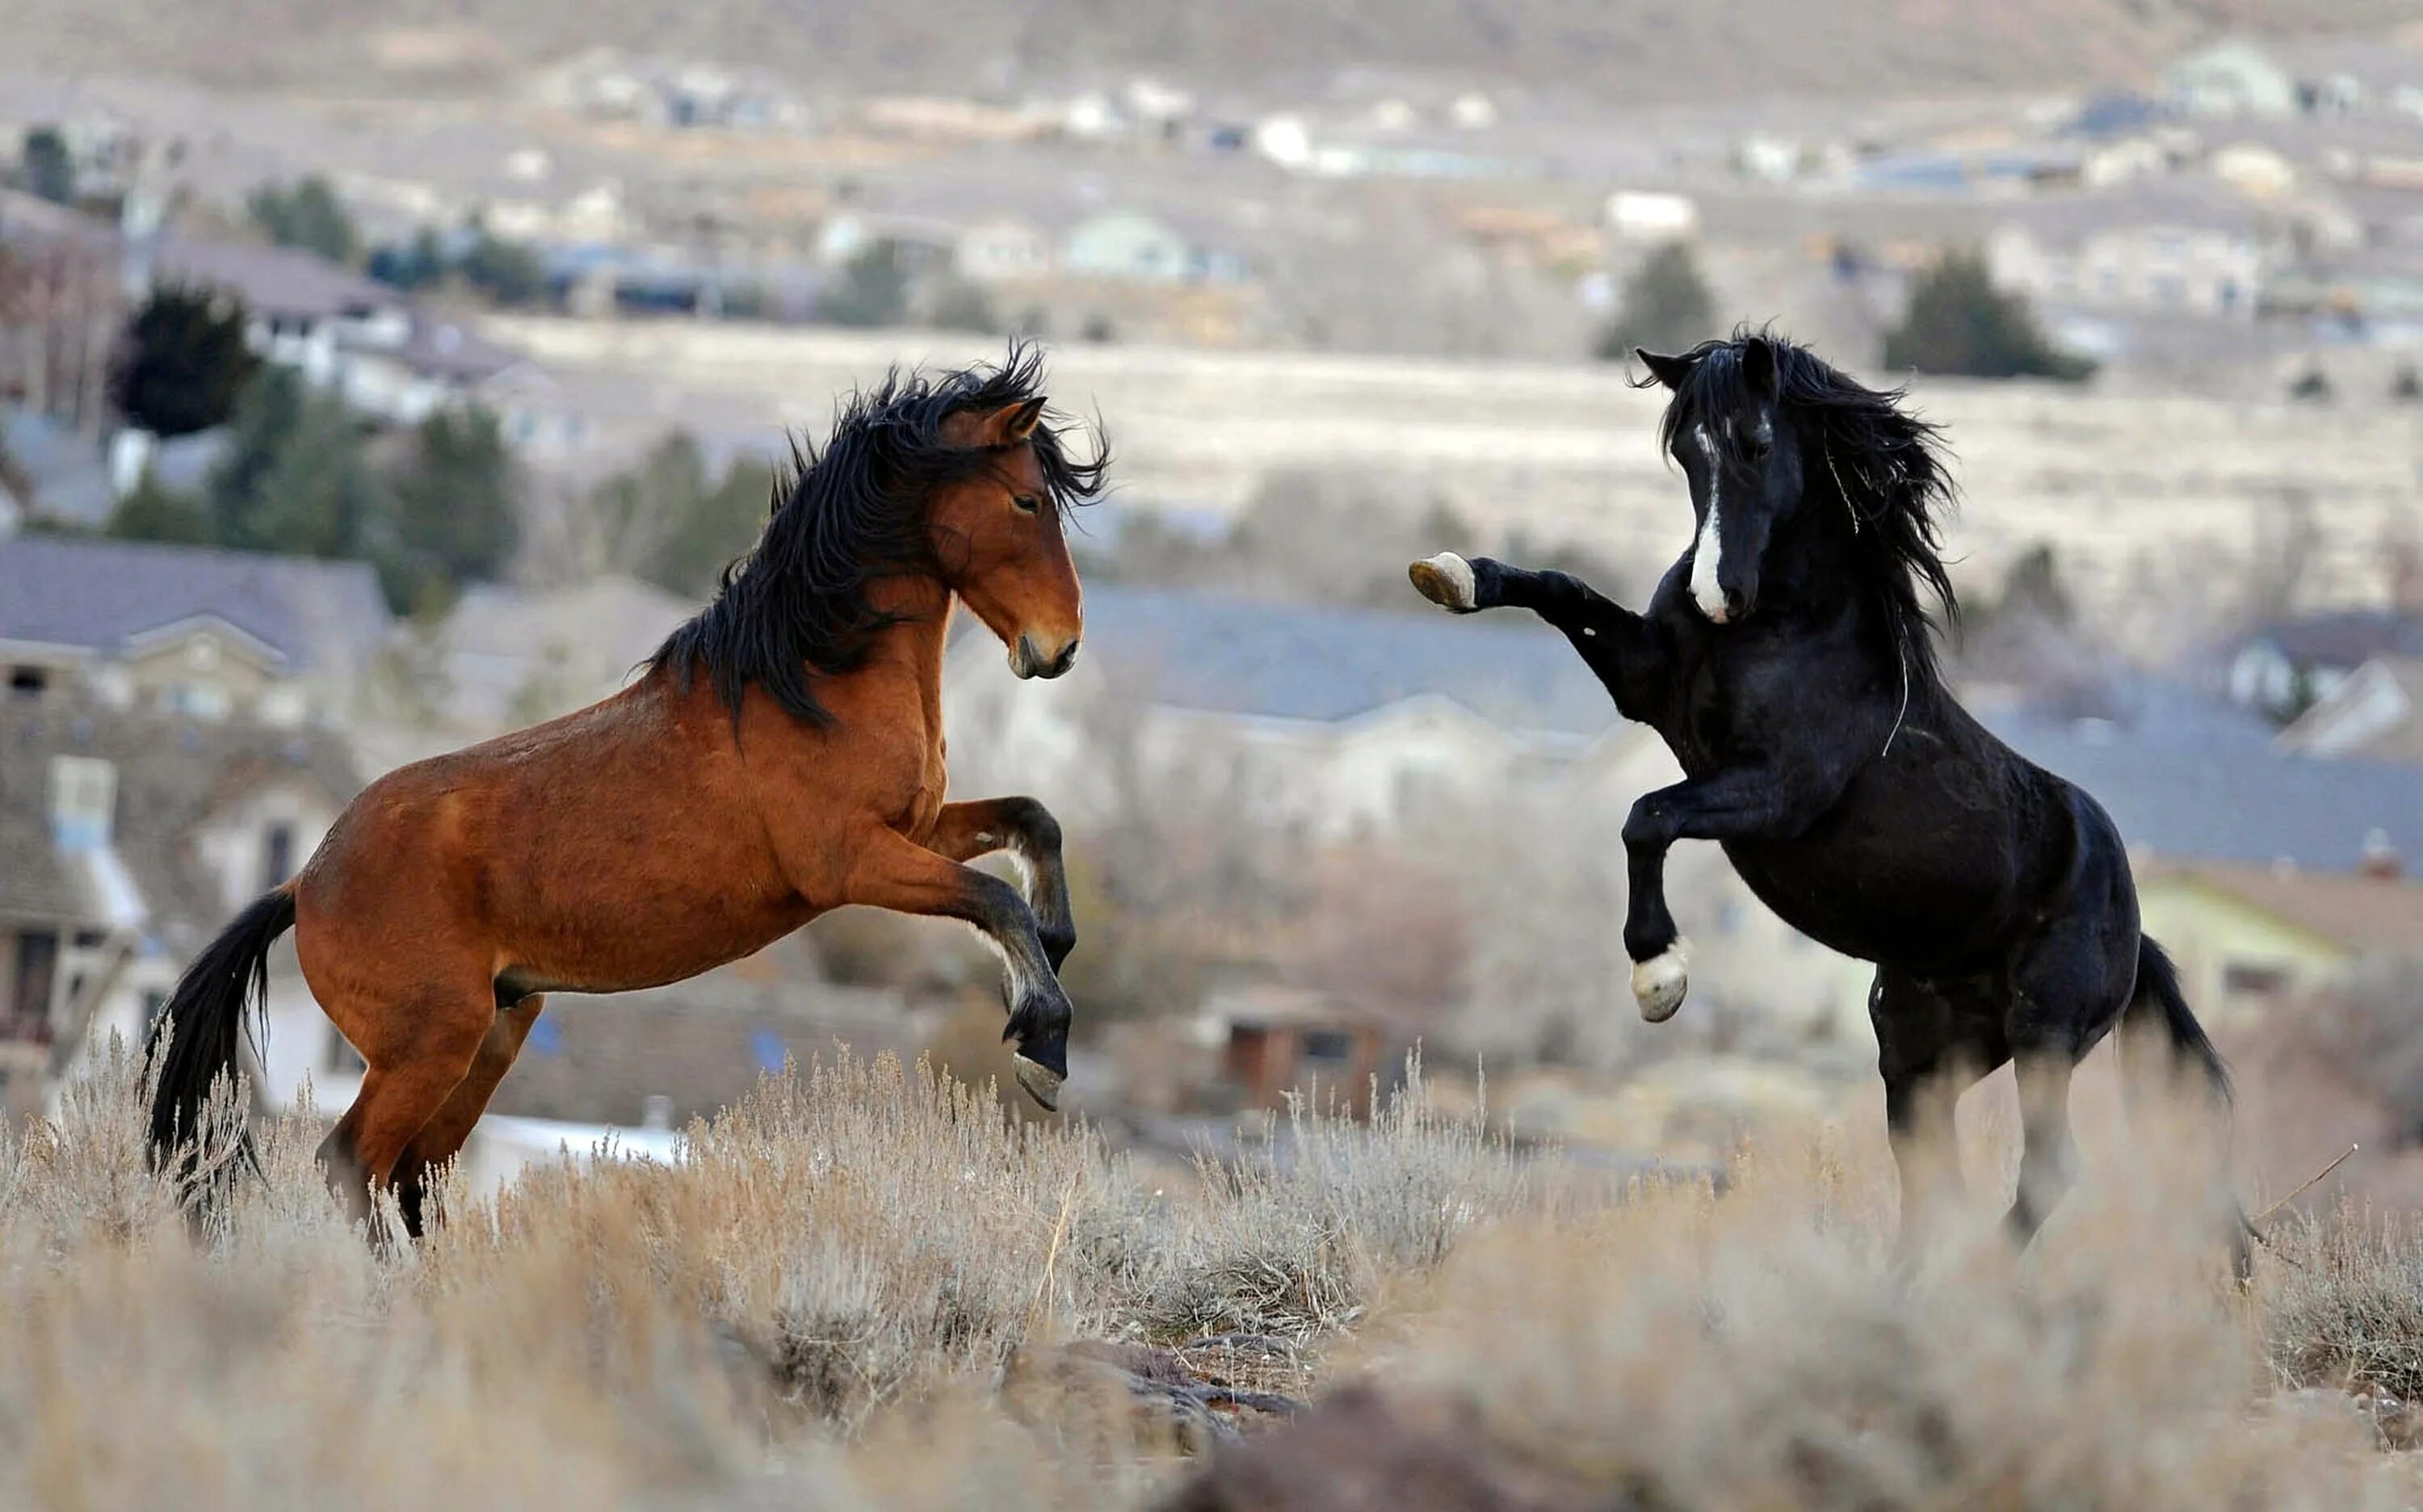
[(1029, 659)]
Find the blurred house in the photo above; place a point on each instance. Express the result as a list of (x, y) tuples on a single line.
[(2250, 940), (1280, 1042), (2375, 712), (510, 656), (1129, 246), (2283, 668), (128, 837), (191, 631), (2162, 246), (389, 357), (2230, 79), (1331, 719)]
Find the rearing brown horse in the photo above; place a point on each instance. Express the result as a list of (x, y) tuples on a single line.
[(781, 757)]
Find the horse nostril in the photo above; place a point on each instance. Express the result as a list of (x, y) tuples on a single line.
[(1736, 604), (1067, 659)]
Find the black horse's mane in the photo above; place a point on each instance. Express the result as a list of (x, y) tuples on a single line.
[(848, 515), (1885, 464)]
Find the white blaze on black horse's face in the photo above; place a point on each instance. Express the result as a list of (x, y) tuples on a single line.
[(1743, 483)]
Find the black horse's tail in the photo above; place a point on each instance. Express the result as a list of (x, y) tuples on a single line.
[(203, 1020), (2158, 988)]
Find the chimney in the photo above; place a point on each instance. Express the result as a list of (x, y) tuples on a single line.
[(656, 1111), (2381, 859)]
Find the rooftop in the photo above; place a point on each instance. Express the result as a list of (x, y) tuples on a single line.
[(1330, 664), (2361, 914), (96, 595)]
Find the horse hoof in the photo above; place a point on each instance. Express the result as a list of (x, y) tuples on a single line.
[(1659, 983), (1446, 579), (1041, 1082)]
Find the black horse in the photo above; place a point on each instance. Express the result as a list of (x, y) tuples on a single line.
[(1788, 660)]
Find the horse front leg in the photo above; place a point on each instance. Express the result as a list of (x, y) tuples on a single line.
[(1027, 831), (1745, 803), (892, 871), (1620, 647)]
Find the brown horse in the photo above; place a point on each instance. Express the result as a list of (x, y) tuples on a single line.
[(781, 756)]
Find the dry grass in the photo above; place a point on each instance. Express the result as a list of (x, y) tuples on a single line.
[(821, 1306)]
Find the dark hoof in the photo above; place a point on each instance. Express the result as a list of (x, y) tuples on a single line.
[(1041, 1082)]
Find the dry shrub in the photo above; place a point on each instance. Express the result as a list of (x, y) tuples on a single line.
[(1293, 1240), (817, 1303), (2348, 1308)]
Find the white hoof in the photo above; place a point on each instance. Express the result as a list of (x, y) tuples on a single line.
[(1659, 983), (1042, 1082), (1446, 579)]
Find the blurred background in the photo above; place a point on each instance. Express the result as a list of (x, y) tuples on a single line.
[(377, 378)]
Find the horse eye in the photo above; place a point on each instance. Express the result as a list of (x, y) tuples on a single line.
[(1027, 503)]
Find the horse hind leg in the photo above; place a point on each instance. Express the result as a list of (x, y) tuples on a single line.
[(443, 1137), (417, 1047), (2048, 1152)]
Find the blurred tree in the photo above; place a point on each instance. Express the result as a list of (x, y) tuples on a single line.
[(297, 477), (455, 516), (183, 362), (156, 512), (872, 290), (305, 215), (507, 271), (415, 265), (1959, 324), (2407, 384), (673, 523), (964, 306), (46, 168), (1665, 307)]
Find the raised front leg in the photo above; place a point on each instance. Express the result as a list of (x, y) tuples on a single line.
[(1743, 804), (1027, 831), (1622, 650), (894, 872)]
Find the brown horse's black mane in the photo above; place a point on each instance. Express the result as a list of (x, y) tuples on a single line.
[(847, 516), (1884, 463)]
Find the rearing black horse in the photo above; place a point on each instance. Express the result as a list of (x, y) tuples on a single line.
[(1787, 659)]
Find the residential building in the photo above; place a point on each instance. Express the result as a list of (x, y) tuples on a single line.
[(2233, 77), (2149, 248), (128, 837), (2283, 668), (208, 634), (2250, 940), (1129, 246), (2374, 712), (1003, 249), (1279, 1044)]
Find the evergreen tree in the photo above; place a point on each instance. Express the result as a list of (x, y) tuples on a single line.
[(1665, 307), (1959, 324), (308, 215), (154, 512), (507, 271), (47, 168), (453, 502), (296, 478), (416, 264), (872, 290), (183, 363)]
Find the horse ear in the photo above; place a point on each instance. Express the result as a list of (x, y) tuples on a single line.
[(1670, 370), (1013, 423), (1758, 366)]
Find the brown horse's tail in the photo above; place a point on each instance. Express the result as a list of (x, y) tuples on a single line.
[(203, 1022), (2158, 988)]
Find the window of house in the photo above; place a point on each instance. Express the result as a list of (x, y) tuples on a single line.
[(29, 994), (197, 700), (277, 855), (1329, 1046), (27, 682), (2242, 978)]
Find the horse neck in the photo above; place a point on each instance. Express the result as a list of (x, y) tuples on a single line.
[(920, 608), (1826, 549)]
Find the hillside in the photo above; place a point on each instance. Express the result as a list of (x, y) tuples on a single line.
[(1627, 51)]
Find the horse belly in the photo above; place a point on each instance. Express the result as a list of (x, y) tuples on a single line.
[(1880, 904)]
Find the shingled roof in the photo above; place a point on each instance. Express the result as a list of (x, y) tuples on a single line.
[(1331, 662), (96, 596)]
